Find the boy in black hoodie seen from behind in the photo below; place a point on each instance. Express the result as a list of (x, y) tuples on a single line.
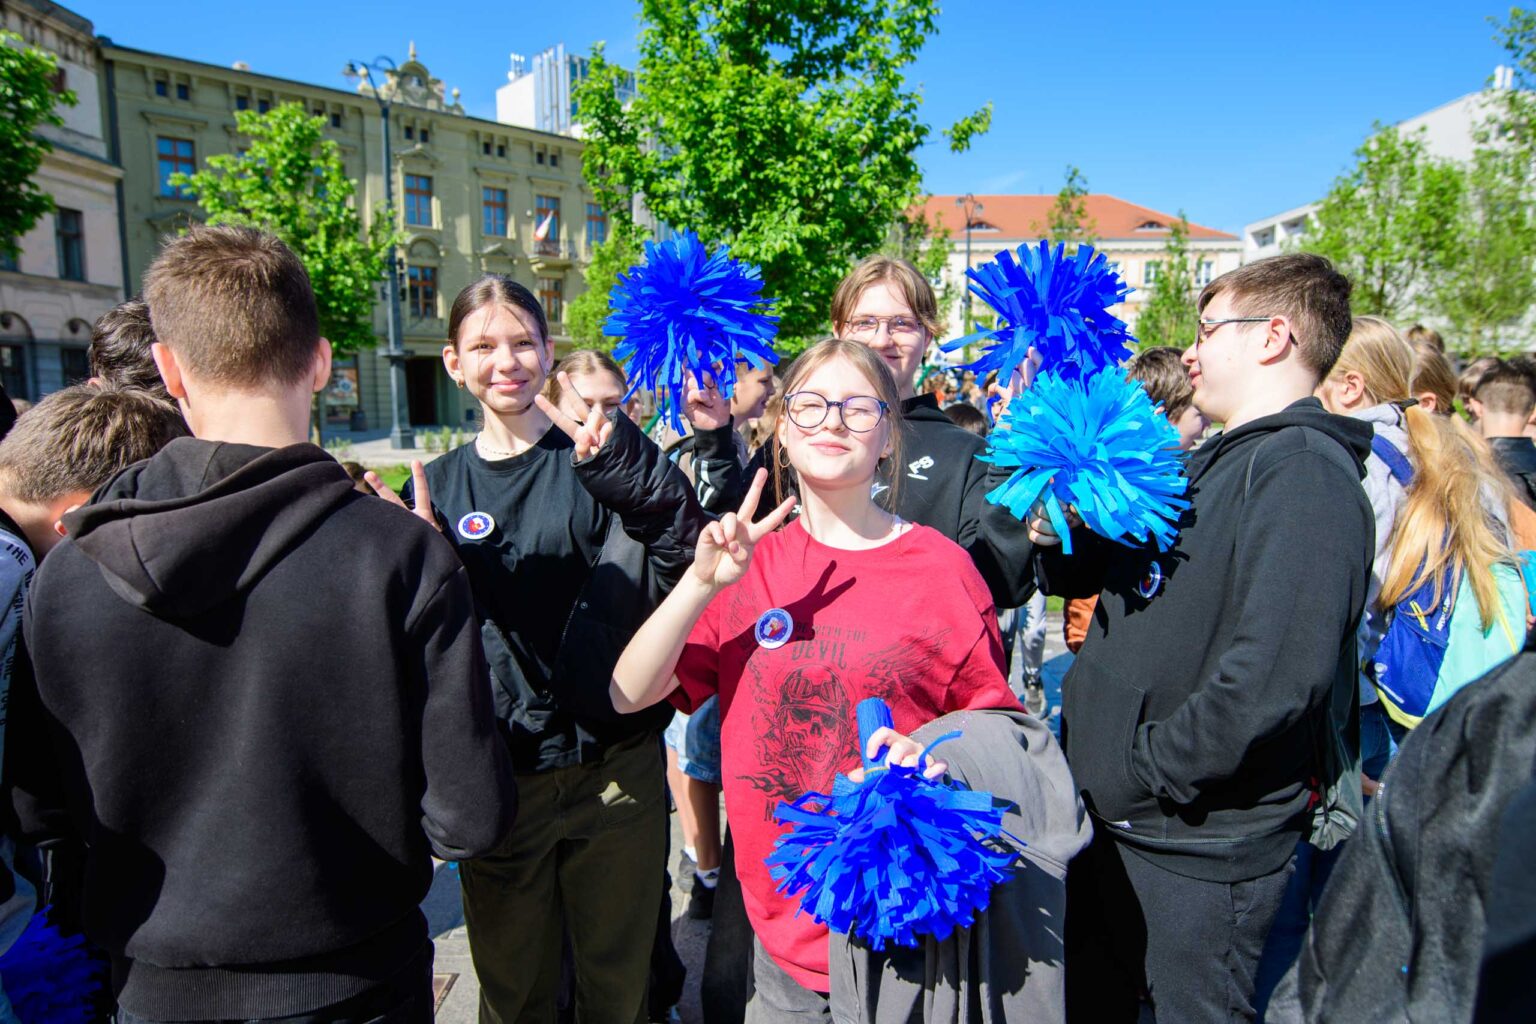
[(1502, 404), (259, 695), (1201, 713)]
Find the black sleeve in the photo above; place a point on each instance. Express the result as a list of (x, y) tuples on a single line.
[(34, 770), (471, 798), (718, 477), (630, 476), (1300, 569), (1082, 573), (997, 542)]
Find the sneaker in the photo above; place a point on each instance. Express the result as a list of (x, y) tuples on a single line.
[(685, 872), (1034, 698), (701, 902)]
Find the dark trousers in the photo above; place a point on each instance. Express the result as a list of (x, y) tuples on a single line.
[(405, 1000), (727, 982), (1134, 927), (779, 999)]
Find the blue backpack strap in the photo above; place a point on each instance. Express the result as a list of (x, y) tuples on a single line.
[(1397, 462)]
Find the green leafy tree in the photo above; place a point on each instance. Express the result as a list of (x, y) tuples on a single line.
[(1168, 318), (28, 101), (585, 314), (786, 130), (291, 182), (1069, 221), (1390, 222)]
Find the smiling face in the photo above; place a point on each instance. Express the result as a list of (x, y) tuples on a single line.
[(593, 387), (829, 456), (902, 349), (501, 358), (1220, 365), (753, 390)]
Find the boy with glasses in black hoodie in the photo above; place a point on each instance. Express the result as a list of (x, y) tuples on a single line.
[(260, 696), (1201, 712)]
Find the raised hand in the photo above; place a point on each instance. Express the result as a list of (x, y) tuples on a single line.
[(1018, 382), (705, 407), (1042, 532), (423, 496), (590, 432), (725, 547), (900, 750)]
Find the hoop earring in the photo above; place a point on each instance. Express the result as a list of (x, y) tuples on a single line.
[(781, 456), (460, 382)]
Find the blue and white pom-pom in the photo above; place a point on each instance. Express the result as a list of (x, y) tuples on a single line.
[(895, 858), (50, 978), (1055, 304), (688, 310), (1099, 445)]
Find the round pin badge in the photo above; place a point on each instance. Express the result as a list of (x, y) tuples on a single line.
[(476, 525), (1151, 583), (773, 628)]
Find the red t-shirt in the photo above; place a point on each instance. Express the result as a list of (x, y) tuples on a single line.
[(910, 621)]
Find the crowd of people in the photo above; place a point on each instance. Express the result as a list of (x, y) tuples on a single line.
[(252, 693)]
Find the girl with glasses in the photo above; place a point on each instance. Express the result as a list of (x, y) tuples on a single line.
[(792, 628)]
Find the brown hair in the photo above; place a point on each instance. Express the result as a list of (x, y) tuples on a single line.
[(874, 369), (1162, 372), (1382, 359), (1432, 373), (1507, 390), (909, 282), (235, 306), (494, 290), (77, 439), (1472, 374), (120, 348), (968, 417), (1418, 334), (583, 360), (1304, 288)]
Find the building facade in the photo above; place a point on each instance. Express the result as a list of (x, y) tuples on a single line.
[(70, 269), (1134, 238), (472, 196), (543, 96)]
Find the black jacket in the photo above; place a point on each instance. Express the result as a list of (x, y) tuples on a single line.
[(1517, 457), (649, 523), (260, 701), (1400, 932), (1196, 708), (942, 484)]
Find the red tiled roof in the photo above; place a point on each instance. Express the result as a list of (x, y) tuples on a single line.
[(1027, 217)]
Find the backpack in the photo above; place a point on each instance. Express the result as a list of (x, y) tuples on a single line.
[(1434, 643)]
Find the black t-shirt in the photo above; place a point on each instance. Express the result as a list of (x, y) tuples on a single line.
[(529, 559)]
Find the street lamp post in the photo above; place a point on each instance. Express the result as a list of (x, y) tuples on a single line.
[(971, 208), (400, 433)]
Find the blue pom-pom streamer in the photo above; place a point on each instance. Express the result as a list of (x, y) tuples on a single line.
[(1099, 445), (894, 858), (50, 978), (1057, 304), (689, 310)]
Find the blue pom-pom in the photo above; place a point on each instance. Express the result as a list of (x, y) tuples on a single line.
[(689, 310), (1099, 445), (892, 859), (1056, 304), (50, 978)]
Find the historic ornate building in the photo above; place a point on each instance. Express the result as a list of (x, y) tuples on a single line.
[(473, 196)]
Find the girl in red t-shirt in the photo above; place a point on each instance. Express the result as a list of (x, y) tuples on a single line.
[(793, 628)]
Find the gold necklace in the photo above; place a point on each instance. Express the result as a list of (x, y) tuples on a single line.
[(489, 453)]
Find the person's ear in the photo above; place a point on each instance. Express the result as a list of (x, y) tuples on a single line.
[(1277, 339), (63, 506), (322, 378), (1475, 408), (451, 363), (1353, 386), (170, 369), (1427, 401)]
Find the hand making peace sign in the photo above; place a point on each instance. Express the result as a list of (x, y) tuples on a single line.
[(725, 547), (591, 432), (419, 494)]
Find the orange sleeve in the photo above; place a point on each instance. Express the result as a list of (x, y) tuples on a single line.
[(1079, 612)]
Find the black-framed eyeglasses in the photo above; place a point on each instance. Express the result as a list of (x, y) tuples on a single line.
[(898, 326), (1205, 328), (859, 413)]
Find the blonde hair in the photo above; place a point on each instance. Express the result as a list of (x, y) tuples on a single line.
[(1380, 356), (1432, 373), (905, 278), (863, 359), (583, 360), (1444, 522)]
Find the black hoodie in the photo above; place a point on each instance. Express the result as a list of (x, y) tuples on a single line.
[(260, 700), (1517, 457), (1194, 710)]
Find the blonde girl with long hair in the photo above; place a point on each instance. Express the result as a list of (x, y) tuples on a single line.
[(792, 627)]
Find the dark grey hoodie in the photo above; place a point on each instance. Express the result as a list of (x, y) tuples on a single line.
[(260, 701)]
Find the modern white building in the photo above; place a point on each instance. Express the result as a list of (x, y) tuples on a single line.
[(70, 270), (542, 95), (1134, 237), (1449, 132)]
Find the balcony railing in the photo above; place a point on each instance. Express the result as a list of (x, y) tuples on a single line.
[(553, 249)]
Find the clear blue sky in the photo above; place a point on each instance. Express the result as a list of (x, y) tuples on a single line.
[(1230, 111)]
